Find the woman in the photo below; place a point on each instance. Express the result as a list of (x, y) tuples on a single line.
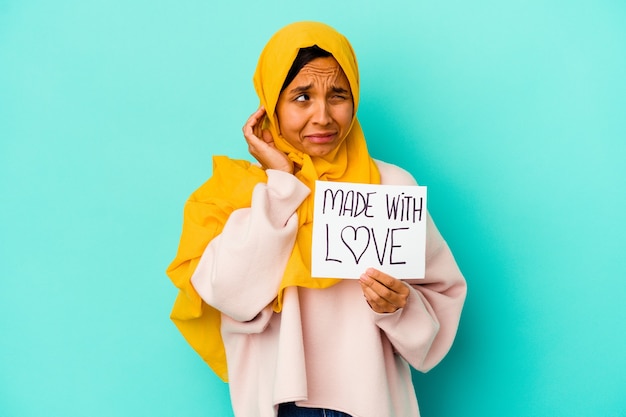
[(289, 344)]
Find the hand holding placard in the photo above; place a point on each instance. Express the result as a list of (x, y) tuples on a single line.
[(356, 226)]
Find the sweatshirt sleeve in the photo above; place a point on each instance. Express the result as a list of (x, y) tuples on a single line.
[(423, 331), (240, 270)]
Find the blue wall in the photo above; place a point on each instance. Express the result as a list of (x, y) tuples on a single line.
[(513, 113)]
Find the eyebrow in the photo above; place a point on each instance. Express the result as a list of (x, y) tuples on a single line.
[(301, 89), (339, 90), (304, 88)]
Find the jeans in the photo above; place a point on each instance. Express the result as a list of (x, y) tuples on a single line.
[(292, 410)]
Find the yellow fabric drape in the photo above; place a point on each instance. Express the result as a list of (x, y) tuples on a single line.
[(232, 183)]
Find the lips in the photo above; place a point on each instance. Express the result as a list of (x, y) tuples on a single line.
[(321, 137)]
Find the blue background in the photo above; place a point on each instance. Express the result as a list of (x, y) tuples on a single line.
[(512, 113)]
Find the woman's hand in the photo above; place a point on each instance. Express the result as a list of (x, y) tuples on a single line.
[(384, 293), (261, 144)]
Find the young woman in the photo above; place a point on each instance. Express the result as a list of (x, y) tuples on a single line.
[(290, 344)]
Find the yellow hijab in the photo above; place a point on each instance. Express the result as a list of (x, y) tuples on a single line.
[(231, 185)]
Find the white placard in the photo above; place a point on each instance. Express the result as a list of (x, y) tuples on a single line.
[(356, 226)]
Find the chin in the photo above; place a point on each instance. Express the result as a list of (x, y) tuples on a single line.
[(320, 154), (322, 151)]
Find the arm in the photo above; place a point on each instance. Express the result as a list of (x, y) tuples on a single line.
[(241, 269), (420, 317), (422, 331)]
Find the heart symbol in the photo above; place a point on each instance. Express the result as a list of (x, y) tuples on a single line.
[(354, 240)]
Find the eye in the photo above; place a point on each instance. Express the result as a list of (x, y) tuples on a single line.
[(339, 94), (302, 98), (339, 98)]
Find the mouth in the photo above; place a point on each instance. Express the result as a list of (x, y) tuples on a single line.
[(321, 137)]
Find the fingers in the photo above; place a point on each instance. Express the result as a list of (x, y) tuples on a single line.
[(253, 130), (261, 144), (253, 126), (384, 293)]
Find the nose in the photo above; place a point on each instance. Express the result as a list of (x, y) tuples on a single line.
[(321, 113)]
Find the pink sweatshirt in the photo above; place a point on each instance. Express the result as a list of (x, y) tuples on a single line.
[(326, 348)]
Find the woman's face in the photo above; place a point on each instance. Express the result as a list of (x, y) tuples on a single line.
[(315, 111)]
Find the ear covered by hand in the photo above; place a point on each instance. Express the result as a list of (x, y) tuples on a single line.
[(261, 144)]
